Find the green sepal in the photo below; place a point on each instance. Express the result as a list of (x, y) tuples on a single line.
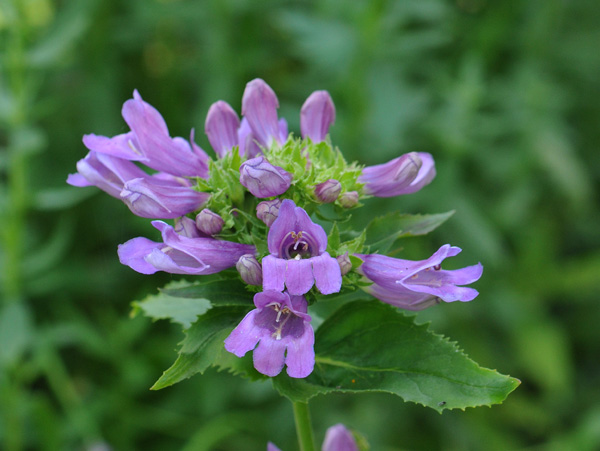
[(371, 346)]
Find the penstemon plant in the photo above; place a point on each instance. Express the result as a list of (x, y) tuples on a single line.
[(269, 221)]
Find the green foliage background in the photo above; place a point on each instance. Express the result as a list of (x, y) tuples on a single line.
[(503, 94)]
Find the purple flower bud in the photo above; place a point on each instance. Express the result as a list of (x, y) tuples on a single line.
[(209, 222), (221, 127), (268, 210), (263, 179), (339, 438), (185, 226), (328, 191), (345, 263), (249, 269), (259, 106), (316, 116), (349, 199), (151, 197)]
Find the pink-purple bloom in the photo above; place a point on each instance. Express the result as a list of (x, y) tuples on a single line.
[(279, 332), (263, 179), (259, 107), (406, 174), (149, 143), (181, 254), (415, 285), (297, 257)]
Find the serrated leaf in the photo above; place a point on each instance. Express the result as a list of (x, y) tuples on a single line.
[(384, 230), (218, 292), (178, 309), (371, 346), (203, 347)]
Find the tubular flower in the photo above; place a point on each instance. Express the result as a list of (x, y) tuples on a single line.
[(316, 116), (328, 191), (164, 198), (180, 254), (149, 143), (406, 174), (415, 285), (263, 179), (298, 258), (106, 172), (281, 327)]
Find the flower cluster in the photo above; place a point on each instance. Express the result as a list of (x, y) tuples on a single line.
[(251, 208)]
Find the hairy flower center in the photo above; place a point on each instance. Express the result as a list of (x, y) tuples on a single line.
[(297, 246), (280, 321)]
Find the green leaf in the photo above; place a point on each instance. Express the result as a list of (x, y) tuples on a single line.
[(219, 292), (384, 230), (203, 347), (176, 308), (371, 346)]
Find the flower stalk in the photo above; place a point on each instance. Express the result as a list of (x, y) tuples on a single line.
[(303, 426)]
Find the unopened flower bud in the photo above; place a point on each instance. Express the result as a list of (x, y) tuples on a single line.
[(209, 222), (249, 269), (349, 199), (185, 226), (268, 210), (263, 179), (345, 263), (328, 191)]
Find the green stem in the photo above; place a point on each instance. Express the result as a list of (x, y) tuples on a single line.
[(303, 426)]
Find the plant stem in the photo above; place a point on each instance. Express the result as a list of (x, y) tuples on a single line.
[(303, 426)]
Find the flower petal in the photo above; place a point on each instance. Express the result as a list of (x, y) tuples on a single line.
[(259, 106), (299, 276), (133, 254), (269, 356), (300, 357), (221, 127), (274, 270), (327, 272), (245, 336)]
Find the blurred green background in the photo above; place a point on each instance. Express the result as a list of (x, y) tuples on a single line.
[(505, 95)]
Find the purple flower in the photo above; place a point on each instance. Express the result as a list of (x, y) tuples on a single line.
[(281, 327), (268, 210), (249, 269), (263, 179), (328, 191), (180, 254), (337, 438), (298, 258), (415, 285), (185, 226), (209, 222), (106, 172), (345, 263), (403, 175), (161, 197), (316, 116), (149, 143), (259, 107)]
